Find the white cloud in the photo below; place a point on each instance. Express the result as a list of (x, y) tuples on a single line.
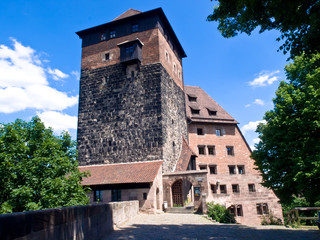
[(265, 78), (24, 84), (254, 142), (58, 121), (57, 74), (257, 102), (251, 126), (76, 74)]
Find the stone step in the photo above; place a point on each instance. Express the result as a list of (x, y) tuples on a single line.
[(182, 210)]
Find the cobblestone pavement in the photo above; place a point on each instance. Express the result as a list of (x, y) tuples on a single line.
[(189, 226)]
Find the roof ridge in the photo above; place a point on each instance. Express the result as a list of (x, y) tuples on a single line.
[(104, 164)]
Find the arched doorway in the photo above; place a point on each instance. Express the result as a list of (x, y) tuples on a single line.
[(177, 195)]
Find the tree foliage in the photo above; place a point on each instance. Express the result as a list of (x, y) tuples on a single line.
[(298, 21), (220, 213), (38, 170), (288, 154)]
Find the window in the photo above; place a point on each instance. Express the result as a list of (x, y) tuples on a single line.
[(201, 150), (195, 111), (213, 169), (230, 150), (236, 210), (135, 28), (129, 50), (174, 68), (241, 169), (203, 167), (200, 131), (235, 188), (112, 34), (103, 36), (179, 74), (192, 98), (218, 132), (212, 113), (239, 211), (211, 150), (232, 169), (252, 187), (213, 188), (98, 196), (223, 189), (106, 56), (145, 196), (192, 163), (116, 195), (167, 56), (262, 208)]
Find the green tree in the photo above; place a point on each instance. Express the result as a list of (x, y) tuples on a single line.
[(298, 21), (38, 170), (288, 153)]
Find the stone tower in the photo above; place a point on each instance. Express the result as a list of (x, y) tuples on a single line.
[(132, 103)]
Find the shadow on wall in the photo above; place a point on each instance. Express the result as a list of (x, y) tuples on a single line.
[(79, 222), (211, 231)]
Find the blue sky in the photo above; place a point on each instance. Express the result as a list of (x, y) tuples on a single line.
[(40, 59)]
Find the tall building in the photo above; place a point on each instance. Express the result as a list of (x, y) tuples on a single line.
[(145, 136)]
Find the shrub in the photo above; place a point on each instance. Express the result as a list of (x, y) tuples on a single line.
[(220, 213)]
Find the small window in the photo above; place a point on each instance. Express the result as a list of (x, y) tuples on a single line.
[(252, 187), (235, 188), (203, 167), (200, 131), (201, 150), (230, 150), (213, 188), (145, 196), (112, 34), (241, 169), (195, 111), (129, 50), (218, 132), (239, 211), (232, 169), (213, 169), (236, 210), (135, 28), (103, 36), (167, 56), (116, 195), (179, 74), (174, 68), (106, 56), (98, 196), (192, 99), (262, 208), (223, 189), (212, 113), (211, 150)]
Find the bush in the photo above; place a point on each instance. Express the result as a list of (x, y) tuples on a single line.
[(271, 220), (220, 213)]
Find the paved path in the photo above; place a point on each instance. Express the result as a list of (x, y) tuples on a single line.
[(189, 226)]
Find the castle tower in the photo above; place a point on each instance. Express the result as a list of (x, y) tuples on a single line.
[(132, 104)]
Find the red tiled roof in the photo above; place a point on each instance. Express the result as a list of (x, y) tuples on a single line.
[(140, 172), (204, 103), (128, 13), (185, 155)]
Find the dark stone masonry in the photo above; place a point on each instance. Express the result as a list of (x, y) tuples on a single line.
[(130, 113)]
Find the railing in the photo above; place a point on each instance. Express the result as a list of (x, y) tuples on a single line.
[(295, 218)]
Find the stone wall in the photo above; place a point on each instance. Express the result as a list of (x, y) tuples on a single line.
[(79, 222), (129, 114)]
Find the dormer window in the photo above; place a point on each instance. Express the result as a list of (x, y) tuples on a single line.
[(195, 111), (212, 112), (192, 98), (135, 28), (112, 34)]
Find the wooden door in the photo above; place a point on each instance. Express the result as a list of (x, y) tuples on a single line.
[(177, 194)]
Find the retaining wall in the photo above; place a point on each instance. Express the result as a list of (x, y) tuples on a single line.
[(79, 222)]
